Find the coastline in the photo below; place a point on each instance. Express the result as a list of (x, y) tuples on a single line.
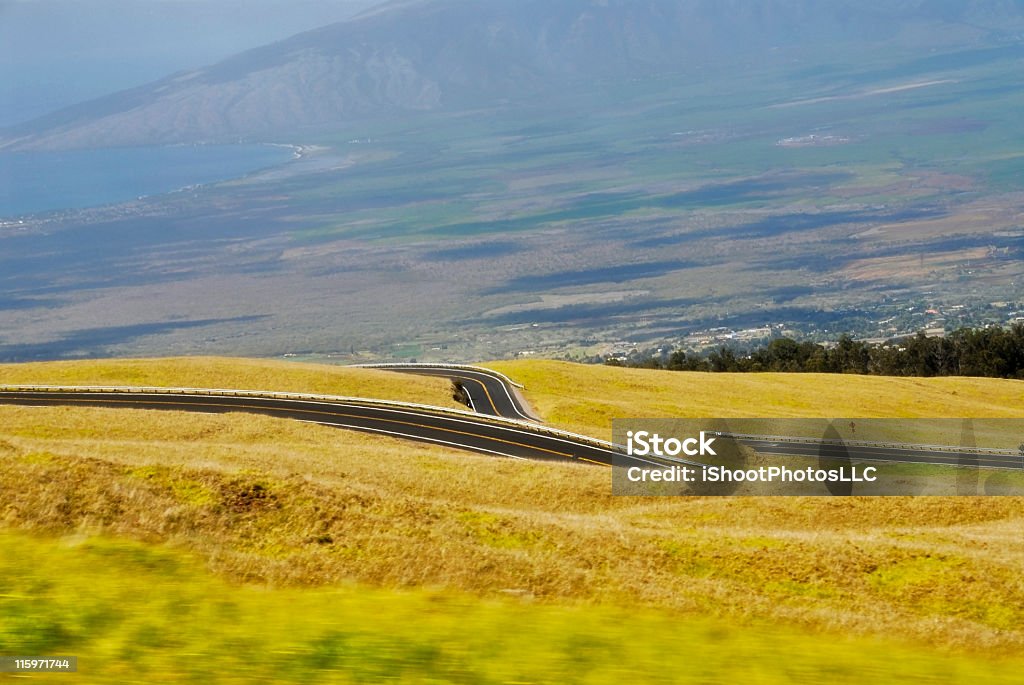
[(42, 183)]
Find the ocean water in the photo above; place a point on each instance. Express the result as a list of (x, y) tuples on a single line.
[(33, 182)]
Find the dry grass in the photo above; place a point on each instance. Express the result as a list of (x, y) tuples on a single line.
[(586, 398), (138, 613), (262, 499), (917, 266), (983, 216), (240, 374)]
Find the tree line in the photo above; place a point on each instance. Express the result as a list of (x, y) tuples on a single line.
[(992, 352)]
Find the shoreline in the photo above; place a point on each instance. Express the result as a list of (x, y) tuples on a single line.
[(57, 160)]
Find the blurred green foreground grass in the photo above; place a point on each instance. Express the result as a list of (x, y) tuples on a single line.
[(138, 613)]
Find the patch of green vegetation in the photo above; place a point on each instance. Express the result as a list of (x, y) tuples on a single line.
[(762, 542), (192, 492), (496, 531), (141, 613), (38, 458), (185, 490), (688, 558), (934, 582), (917, 573), (1006, 173), (407, 350)]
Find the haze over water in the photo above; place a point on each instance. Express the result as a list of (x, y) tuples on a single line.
[(32, 182)]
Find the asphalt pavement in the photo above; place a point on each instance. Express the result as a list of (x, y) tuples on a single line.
[(481, 434), (488, 392), (903, 454)]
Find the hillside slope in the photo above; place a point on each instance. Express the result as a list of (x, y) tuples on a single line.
[(586, 398), (433, 54), (284, 503), (235, 374)]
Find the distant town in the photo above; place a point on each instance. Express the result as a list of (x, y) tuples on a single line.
[(897, 322)]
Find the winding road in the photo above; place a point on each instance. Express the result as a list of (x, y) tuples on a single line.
[(453, 428), (489, 392), (500, 424)]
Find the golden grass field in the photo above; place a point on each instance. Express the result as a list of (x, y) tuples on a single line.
[(236, 374), (430, 565), (586, 398)]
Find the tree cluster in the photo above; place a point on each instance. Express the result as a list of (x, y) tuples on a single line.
[(992, 352)]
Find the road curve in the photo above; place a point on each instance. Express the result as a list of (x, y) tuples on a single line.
[(452, 428), (489, 392), (465, 430)]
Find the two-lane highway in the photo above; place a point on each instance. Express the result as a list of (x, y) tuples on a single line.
[(911, 454), (463, 430), (486, 434)]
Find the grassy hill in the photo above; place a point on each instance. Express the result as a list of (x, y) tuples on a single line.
[(586, 398), (237, 374), (245, 548), (154, 615)]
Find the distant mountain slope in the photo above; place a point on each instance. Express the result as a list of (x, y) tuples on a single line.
[(56, 53), (430, 54)]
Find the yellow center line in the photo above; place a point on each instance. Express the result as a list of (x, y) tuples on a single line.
[(457, 432), (324, 413), (483, 387), (464, 380)]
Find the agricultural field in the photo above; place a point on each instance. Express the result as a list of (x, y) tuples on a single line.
[(821, 199)]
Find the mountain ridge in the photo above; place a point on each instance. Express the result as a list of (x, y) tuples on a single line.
[(427, 55)]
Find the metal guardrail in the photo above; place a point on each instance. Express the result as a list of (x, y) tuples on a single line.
[(868, 443), (459, 413), (327, 399), (431, 365)]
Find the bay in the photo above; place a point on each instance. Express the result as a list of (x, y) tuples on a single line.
[(35, 182)]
